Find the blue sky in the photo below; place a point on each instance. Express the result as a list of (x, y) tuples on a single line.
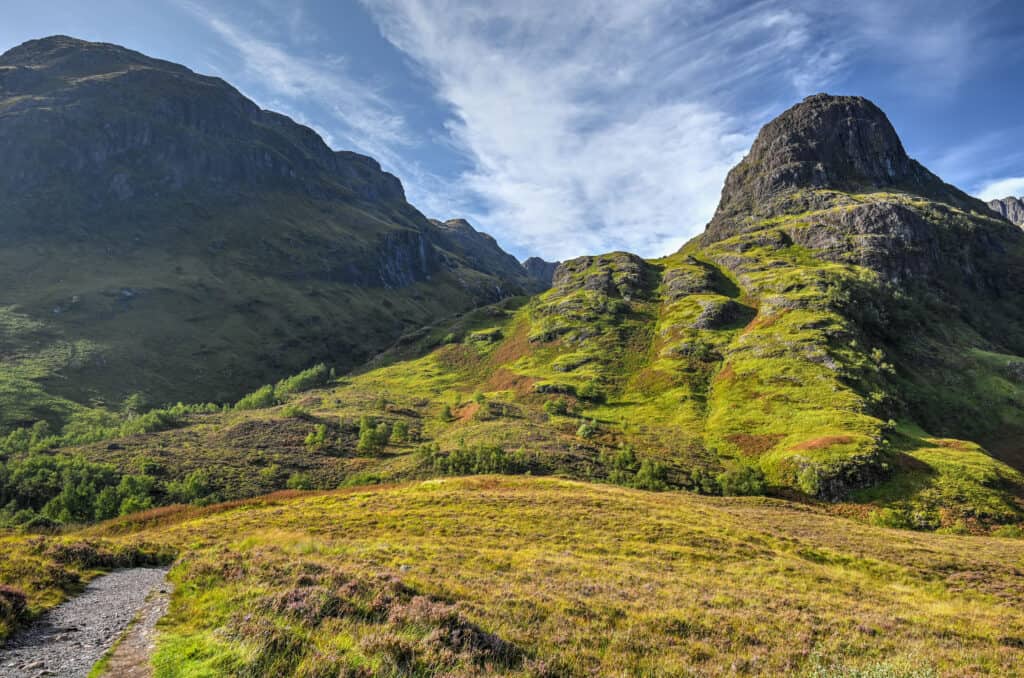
[(581, 126)]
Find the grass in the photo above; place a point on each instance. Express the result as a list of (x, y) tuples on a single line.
[(766, 349), (750, 351), (531, 576), (39, 572)]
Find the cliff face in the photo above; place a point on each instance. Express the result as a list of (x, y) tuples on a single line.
[(1011, 208), (247, 247), (540, 270)]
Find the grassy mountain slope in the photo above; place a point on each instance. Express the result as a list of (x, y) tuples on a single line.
[(163, 235), (546, 577), (845, 330)]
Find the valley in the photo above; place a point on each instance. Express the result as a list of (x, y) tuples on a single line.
[(366, 442)]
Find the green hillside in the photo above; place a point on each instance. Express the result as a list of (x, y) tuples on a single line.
[(164, 236), (848, 337)]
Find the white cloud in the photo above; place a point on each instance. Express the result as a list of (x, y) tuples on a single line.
[(593, 125), (1002, 188), (365, 120)]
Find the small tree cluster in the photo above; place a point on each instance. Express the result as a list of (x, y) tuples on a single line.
[(373, 437), (475, 460), (624, 469)]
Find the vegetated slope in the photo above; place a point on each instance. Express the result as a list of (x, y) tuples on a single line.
[(846, 330), (1011, 208), (163, 235), (529, 576)]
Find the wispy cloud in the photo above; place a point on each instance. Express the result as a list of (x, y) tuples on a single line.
[(594, 125), (362, 118), (589, 125), (1002, 188)]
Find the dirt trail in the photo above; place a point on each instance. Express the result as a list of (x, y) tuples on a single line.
[(69, 639), (130, 659)]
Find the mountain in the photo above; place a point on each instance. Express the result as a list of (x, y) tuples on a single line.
[(1011, 208), (164, 235), (846, 331), (540, 270)]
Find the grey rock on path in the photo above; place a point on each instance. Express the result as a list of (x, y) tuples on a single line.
[(69, 639)]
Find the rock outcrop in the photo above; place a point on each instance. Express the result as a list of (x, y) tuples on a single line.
[(540, 270), (1011, 208), (837, 143)]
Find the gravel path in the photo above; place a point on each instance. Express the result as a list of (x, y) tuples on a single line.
[(69, 639), (130, 659)]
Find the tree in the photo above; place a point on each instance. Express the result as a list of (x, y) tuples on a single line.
[(742, 480), (300, 481), (400, 432), (372, 437), (317, 438)]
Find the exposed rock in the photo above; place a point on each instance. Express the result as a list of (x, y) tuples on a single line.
[(719, 313), (540, 270), (825, 142), (618, 274), (479, 250), (1011, 208)]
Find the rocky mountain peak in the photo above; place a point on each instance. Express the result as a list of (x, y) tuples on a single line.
[(826, 142), (1011, 208), (541, 270)]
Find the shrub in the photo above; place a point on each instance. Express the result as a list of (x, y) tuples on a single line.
[(651, 476), (809, 481), (702, 482), (317, 438), (904, 519), (622, 465), (446, 414), (294, 411), (1009, 532), (742, 480), (299, 481), (315, 376), (557, 407), (372, 437), (587, 429), (258, 399), (592, 392), (195, 487), (400, 432)]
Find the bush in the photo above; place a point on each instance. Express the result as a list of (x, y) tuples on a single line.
[(624, 469), (809, 481), (587, 429), (446, 414), (557, 407), (1009, 532), (622, 465), (372, 437), (194, 488), (474, 460), (315, 376), (317, 438), (702, 482), (300, 481), (741, 481), (592, 392), (258, 399), (904, 519), (294, 411), (400, 432), (651, 476)]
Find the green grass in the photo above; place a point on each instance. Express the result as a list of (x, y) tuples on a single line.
[(521, 576), (752, 351)]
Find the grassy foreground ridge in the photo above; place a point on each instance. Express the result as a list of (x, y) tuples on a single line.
[(533, 576)]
